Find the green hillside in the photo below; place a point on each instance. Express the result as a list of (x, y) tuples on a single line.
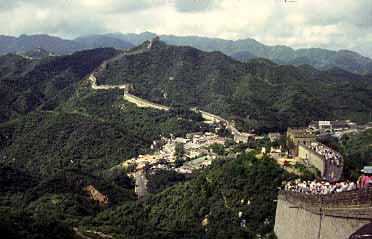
[(27, 84), (68, 137), (216, 196), (259, 95), (58, 136), (242, 49)]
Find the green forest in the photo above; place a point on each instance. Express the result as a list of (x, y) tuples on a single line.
[(259, 95), (58, 136)]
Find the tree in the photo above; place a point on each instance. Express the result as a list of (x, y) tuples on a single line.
[(179, 162), (275, 143), (179, 150), (218, 149)]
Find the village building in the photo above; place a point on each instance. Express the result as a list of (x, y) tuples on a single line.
[(333, 126), (243, 137), (274, 136)]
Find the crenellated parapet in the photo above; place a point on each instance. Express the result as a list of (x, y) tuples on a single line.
[(307, 216), (328, 161), (349, 204)]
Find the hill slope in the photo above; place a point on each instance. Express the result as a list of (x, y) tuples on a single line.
[(26, 84), (200, 208), (258, 95), (319, 58)]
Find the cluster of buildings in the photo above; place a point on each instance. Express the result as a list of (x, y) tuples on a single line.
[(337, 128), (196, 153), (303, 144)]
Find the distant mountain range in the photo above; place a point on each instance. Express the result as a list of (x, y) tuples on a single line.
[(241, 50), (247, 49), (57, 45)]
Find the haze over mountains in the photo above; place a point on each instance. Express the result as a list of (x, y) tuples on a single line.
[(56, 45), (242, 50)]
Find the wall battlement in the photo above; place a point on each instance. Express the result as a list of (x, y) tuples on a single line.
[(330, 216), (329, 171)]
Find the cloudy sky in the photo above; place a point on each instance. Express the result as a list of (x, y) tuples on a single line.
[(333, 24)]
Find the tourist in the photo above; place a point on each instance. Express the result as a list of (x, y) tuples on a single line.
[(366, 180), (352, 186), (322, 187)]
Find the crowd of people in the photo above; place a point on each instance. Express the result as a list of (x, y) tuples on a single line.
[(319, 187), (325, 187), (329, 154)]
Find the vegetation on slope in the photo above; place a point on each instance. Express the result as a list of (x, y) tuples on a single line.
[(357, 150), (208, 206), (58, 136), (68, 138), (49, 81), (259, 95), (244, 49), (97, 130)]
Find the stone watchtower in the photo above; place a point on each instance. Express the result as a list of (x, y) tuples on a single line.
[(299, 136), (128, 88)]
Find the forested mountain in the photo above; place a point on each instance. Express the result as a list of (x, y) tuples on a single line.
[(357, 151), (59, 136), (97, 41), (243, 56), (322, 59), (26, 84), (207, 206), (50, 102), (56, 45), (257, 95), (242, 50), (37, 53)]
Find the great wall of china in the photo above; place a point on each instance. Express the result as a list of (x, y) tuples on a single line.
[(145, 103), (298, 216), (139, 102), (333, 216)]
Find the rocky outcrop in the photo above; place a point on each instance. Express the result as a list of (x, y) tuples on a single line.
[(95, 195)]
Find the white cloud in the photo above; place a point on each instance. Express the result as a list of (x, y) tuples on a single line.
[(316, 23)]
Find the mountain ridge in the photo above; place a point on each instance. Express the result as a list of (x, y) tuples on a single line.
[(256, 93), (242, 49), (318, 57), (25, 43)]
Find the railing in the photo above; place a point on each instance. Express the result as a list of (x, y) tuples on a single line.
[(349, 204)]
